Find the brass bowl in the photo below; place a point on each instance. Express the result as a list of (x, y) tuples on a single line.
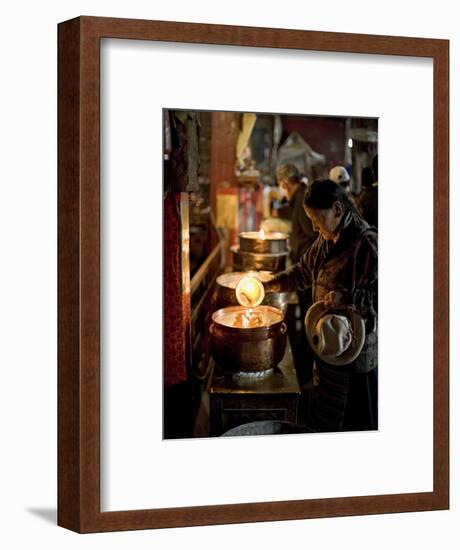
[(256, 349)]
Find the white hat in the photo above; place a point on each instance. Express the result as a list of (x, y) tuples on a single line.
[(336, 338), (339, 174)]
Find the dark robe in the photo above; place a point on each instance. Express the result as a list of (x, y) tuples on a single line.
[(344, 397)]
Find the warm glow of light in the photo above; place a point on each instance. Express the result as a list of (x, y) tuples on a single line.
[(247, 318), (249, 287), (249, 292), (261, 234)]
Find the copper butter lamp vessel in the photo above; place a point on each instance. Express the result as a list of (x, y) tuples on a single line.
[(248, 338)]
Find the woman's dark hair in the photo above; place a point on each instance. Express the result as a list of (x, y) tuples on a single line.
[(322, 194)]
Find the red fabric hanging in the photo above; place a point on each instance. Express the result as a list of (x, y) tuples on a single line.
[(176, 300)]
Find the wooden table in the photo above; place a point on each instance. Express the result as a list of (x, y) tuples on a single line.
[(236, 400)]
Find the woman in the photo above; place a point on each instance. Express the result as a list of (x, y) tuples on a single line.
[(341, 268)]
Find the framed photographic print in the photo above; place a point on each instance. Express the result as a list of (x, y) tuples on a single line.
[(253, 274)]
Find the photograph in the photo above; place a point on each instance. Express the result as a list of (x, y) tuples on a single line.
[(236, 291), (270, 273), (229, 254)]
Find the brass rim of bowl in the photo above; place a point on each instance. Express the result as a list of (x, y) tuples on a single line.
[(278, 235), (255, 333), (236, 250)]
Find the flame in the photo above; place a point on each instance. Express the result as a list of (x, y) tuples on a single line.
[(262, 234), (247, 318)]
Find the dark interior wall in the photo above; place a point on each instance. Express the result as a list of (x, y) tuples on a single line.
[(326, 135)]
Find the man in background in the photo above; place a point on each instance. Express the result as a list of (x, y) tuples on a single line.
[(368, 199), (293, 188), (339, 174), (302, 237)]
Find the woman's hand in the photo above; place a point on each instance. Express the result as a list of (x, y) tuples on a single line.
[(272, 285), (336, 299)]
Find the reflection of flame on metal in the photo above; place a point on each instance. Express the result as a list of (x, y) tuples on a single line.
[(248, 319)]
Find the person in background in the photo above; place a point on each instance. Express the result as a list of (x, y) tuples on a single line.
[(340, 175), (367, 177), (341, 269), (301, 238), (293, 188), (368, 198)]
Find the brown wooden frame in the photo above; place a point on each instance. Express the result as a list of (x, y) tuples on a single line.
[(78, 285)]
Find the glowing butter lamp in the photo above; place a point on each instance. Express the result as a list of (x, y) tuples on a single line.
[(249, 292)]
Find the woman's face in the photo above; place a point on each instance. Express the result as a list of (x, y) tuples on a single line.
[(326, 221)]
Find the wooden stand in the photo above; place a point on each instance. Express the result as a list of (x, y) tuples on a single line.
[(237, 400)]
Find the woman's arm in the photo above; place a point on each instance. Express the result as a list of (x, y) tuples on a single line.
[(364, 294), (297, 277)]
